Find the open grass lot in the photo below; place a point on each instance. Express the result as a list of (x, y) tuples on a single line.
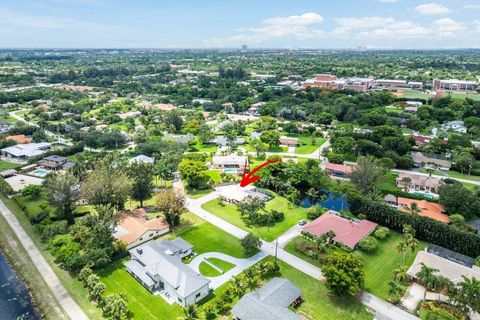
[(33, 207), (413, 94), (199, 147), (195, 194), (306, 146), (473, 96), (214, 175), (458, 175), (394, 109), (229, 212), (205, 237), (208, 271), (4, 165), (379, 265)]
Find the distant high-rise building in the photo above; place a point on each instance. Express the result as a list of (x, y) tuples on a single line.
[(244, 47)]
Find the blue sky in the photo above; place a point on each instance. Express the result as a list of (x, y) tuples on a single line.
[(231, 23)]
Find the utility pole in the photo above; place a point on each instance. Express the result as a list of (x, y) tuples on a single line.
[(276, 248)]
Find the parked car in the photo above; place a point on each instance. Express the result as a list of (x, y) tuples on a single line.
[(302, 222)]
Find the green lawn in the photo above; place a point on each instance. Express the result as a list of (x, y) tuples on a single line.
[(32, 207), (4, 165), (387, 183), (208, 271), (394, 109), (458, 175), (414, 94), (306, 146), (379, 265), (229, 212), (195, 194), (214, 175), (205, 237), (222, 264), (199, 147)]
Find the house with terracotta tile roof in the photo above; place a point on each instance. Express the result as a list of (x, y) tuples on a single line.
[(427, 209), (19, 138), (135, 227), (338, 170), (347, 232)]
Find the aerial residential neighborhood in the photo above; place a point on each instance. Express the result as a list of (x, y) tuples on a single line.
[(240, 160)]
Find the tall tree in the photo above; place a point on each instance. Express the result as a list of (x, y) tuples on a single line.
[(344, 273), (115, 307), (63, 192), (366, 173), (142, 181), (172, 204)]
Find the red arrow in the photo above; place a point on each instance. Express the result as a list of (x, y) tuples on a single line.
[(250, 178)]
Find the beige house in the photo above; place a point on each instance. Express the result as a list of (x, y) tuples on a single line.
[(289, 142), (231, 163), (417, 182), (135, 227)]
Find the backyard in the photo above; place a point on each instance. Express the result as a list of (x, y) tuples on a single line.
[(229, 212), (4, 165), (306, 146)]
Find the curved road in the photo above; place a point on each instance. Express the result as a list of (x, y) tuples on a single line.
[(71, 308)]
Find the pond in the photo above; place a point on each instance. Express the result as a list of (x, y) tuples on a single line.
[(333, 202), (15, 302)]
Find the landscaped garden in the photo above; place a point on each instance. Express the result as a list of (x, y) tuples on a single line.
[(229, 212)]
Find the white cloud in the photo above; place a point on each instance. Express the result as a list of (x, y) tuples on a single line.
[(388, 1), (476, 23), (472, 6), (431, 9), (300, 27), (447, 27), (365, 22)]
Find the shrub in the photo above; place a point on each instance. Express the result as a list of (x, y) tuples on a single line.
[(39, 217), (277, 215), (315, 212), (336, 158), (5, 188), (369, 244), (54, 229), (32, 191), (477, 261), (381, 233)]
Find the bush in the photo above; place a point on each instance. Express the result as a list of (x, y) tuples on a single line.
[(5, 188), (32, 191), (39, 217), (381, 233), (477, 261), (277, 215), (54, 229), (369, 244), (335, 158), (315, 212)]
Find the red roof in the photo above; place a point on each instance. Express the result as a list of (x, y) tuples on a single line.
[(19, 138), (338, 168), (347, 232)]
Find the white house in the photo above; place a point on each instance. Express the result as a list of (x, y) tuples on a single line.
[(142, 159), (158, 266), (22, 152)]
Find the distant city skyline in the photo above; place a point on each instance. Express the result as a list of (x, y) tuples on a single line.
[(342, 24)]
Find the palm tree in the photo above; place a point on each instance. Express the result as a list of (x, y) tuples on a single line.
[(414, 209), (191, 313), (313, 194), (375, 195), (395, 291), (427, 276), (402, 248), (400, 275), (406, 183), (469, 290), (237, 287)]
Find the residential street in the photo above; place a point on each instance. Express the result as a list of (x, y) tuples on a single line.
[(69, 305)]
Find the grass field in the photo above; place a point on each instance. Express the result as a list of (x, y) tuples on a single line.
[(387, 183), (229, 212), (394, 109), (306, 146), (222, 264), (208, 271), (214, 175), (379, 265), (4, 165), (413, 94), (208, 148), (195, 194)]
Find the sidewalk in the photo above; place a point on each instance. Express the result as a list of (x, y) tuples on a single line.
[(69, 305)]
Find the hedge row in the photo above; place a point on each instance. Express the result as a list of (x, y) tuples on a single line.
[(5, 188), (426, 229)]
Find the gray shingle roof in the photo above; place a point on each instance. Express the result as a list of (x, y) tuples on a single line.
[(270, 302)]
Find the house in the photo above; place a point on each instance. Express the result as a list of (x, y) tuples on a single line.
[(426, 208), (231, 163), (180, 138), (135, 227), (142, 159), (421, 160), (4, 127), (55, 162), (420, 140), (338, 170), (22, 152), (416, 182), (8, 173), (289, 142), (158, 266), (19, 138), (255, 135), (454, 85), (235, 194), (164, 106), (456, 126), (270, 302), (390, 83), (347, 232), (448, 268), (222, 141), (415, 85)]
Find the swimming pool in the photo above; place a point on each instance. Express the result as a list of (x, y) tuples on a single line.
[(40, 173), (425, 194), (232, 171)]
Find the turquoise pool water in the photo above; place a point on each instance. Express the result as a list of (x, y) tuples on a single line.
[(40, 172)]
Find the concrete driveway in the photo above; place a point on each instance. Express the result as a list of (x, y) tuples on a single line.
[(240, 265)]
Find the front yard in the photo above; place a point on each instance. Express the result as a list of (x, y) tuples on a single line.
[(229, 212), (306, 146)]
